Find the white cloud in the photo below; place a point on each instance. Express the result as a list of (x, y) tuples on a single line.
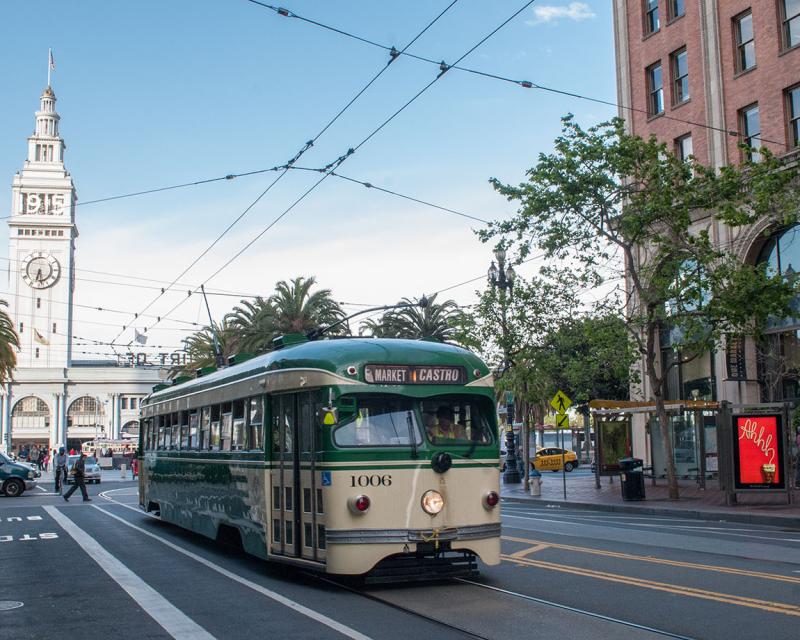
[(551, 14)]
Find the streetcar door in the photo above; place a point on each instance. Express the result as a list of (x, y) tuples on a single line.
[(297, 528), (285, 472), (311, 531)]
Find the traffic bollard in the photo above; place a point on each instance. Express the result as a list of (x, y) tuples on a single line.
[(122, 470)]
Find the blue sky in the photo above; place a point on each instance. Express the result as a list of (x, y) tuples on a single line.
[(154, 93)]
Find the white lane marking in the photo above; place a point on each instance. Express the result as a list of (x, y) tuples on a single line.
[(173, 620), (40, 487), (272, 595), (719, 531)]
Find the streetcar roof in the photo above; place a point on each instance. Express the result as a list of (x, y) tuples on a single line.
[(337, 356)]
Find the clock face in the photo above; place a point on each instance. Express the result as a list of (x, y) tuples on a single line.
[(40, 270)]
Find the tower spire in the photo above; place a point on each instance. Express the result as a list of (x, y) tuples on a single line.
[(51, 65)]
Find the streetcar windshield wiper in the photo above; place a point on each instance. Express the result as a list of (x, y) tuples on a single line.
[(411, 436)]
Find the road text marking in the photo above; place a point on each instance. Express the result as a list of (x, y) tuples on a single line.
[(272, 595), (172, 619)]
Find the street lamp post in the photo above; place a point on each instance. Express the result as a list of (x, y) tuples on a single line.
[(502, 278)]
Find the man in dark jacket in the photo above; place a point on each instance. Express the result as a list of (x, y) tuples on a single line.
[(78, 473)]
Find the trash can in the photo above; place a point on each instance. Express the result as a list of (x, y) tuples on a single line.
[(632, 478)]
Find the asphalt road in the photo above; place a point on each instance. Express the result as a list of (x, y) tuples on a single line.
[(105, 570)]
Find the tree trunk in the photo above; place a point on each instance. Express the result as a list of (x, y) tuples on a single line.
[(657, 389)]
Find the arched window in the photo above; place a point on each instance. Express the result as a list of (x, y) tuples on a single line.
[(130, 429), (86, 412), (30, 413), (779, 350)]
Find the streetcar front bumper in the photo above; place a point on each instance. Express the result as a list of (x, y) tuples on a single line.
[(402, 536)]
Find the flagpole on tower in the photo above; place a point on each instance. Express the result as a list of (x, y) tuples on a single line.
[(51, 64)]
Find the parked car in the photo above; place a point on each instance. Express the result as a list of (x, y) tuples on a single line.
[(91, 469), (15, 477), (550, 458)]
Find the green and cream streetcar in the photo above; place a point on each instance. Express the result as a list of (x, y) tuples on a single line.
[(351, 456)]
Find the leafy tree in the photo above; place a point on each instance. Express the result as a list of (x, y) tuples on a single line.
[(603, 190), (436, 321), (298, 310), (255, 323), (200, 346), (9, 341)]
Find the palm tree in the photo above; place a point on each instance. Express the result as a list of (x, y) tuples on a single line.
[(297, 310), (9, 341), (200, 348), (255, 322), (434, 321)]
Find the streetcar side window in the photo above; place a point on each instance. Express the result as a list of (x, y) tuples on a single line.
[(175, 432), (193, 420), (214, 442), (184, 422), (238, 433), (227, 423), (306, 423), (161, 432), (205, 429), (255, 423)]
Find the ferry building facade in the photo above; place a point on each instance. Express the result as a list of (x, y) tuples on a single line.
[(54, 399)]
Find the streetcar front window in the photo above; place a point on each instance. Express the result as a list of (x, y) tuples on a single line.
[(456, 420), (379, 422)]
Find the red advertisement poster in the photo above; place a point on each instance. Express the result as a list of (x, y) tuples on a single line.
[(758, 450)]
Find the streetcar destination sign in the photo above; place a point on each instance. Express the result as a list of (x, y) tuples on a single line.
[(414, 374)]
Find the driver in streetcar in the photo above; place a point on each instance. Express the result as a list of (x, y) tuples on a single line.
[(446, 429)]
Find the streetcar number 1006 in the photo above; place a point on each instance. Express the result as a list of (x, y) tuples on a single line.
[(374, 480)]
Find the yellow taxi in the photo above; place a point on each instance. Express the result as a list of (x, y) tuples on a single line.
[(549, 459)]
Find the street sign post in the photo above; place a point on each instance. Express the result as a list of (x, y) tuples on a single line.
[(561, 402)]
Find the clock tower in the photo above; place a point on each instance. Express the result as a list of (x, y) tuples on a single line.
[(42, 235)]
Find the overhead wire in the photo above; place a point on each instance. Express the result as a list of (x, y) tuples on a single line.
[(305, 148), (526, 84)]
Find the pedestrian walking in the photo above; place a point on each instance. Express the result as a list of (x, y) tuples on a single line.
[(134, 467), (60, 468), (78, 474)]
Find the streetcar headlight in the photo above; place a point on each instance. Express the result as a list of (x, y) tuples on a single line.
[(432, 502), (359, 504), (490, 500)]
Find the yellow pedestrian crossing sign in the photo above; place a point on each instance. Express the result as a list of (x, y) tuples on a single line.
[(560, 402), (562, 421)]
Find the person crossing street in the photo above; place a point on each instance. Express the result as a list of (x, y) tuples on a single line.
[(78, 473), (60, 468)]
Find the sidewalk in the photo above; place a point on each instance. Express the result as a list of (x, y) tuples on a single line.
[(708, 504), (106, 475)]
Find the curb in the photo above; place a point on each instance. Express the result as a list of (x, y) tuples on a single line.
[(749, 518)]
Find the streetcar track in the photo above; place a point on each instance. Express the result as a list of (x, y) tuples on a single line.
[(566, 607), (399, 607)]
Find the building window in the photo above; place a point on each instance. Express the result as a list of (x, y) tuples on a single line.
[(793, 113), (655, 90), (38, 303), (21, 326), (680, 76), (54, 327), (683, 147), (750, 127), (124, 403), (790, 18), (676, 8), (745, 45), (37, 352), (651, 21)]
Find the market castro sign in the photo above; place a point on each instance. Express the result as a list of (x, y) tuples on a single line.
[(414, 374)]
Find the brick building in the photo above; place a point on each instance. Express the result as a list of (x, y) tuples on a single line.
[(703, 76)]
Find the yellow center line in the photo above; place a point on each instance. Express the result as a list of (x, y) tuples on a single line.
[(672, 563), (764, 605), (525, 552)]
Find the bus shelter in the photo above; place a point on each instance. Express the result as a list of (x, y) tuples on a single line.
[(746, 448)]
